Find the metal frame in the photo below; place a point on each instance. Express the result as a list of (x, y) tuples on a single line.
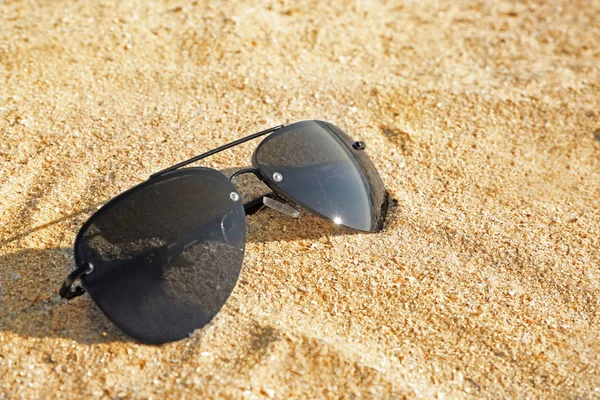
[(66, 291), (215, 151), (254, 205)]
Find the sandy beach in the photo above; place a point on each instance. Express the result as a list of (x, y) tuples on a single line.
[(483, 119)]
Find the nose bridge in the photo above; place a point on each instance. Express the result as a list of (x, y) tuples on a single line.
[(245, 171)]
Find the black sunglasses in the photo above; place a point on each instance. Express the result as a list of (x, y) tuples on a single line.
[(161, 259)]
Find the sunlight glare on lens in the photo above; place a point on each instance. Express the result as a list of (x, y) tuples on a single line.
[(337, 220)]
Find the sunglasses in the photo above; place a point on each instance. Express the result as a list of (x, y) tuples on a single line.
[(162, 258)]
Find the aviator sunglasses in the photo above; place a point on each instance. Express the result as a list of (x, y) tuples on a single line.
[(161, 259)]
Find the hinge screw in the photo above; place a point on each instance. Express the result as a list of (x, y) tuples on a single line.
[(359, 145)]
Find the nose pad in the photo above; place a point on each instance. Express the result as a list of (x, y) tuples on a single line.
[(281, 207), (232, 232)]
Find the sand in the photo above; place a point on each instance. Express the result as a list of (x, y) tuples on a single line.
[(483, 119)]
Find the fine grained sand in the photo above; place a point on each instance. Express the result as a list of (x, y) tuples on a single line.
[(482, 117)]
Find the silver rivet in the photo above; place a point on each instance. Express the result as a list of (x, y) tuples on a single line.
[(234, 196), (277, 177)]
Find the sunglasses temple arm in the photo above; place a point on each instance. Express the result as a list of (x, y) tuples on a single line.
[(215, 151)]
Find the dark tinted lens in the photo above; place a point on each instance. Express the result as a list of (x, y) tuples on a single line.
[(166, 254), (313, 163)]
